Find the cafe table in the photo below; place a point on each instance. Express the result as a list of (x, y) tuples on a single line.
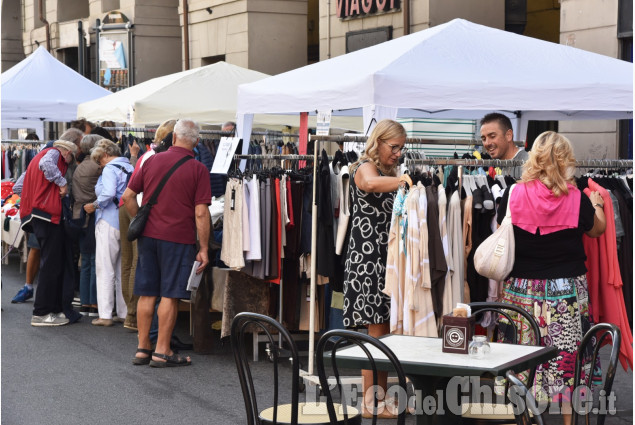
[(430, 369)]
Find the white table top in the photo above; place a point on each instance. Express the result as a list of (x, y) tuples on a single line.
[(425, 352)]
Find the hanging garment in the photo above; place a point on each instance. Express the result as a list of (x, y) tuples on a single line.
[(395, 282), (232, 247), (252, 195), (467, 244), (443, 229), (438, 266), (607, 300), (245, 218), (344, 209), (455, 238), (325, 238)]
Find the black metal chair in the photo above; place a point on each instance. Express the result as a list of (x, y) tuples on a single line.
[(345, 337), (596, 335), (478, 413), (524, 405), (291, 413)]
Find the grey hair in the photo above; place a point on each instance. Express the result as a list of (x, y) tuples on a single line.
[(73, 135), (104, 147), (186, 129), (88, 142)]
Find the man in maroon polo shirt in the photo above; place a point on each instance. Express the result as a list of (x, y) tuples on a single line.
[(167, 247)]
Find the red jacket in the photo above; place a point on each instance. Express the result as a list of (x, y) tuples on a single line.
[(40, 197)]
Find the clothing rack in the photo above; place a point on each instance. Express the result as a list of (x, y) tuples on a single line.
[(502, 163), (281, 157), (409, 140), (29, 142), (271, 133), (313, 249)]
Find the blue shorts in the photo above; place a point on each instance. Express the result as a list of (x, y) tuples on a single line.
[(32, 242), (163, 268)]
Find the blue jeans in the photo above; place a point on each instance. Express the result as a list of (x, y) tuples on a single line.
[(88, 280)]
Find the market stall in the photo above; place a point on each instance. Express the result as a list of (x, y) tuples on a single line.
[(455, 70), (41, 88)]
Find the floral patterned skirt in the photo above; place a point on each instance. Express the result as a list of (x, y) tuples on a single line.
[(561, 308)]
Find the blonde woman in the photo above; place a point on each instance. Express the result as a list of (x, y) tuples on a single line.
[(372, 185), (550, 215), (109, 189)]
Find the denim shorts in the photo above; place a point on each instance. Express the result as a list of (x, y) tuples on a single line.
[(163, 268), (32, 242)]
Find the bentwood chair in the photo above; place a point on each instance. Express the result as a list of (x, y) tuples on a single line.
[(291, 413), (340, 338), (488, 412), (591, 343), (524, 405)]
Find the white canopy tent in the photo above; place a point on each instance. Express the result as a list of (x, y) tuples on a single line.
[(41, 88), (455, 70), (205, 94)]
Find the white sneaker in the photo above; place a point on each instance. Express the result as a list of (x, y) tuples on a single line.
[(50, 319)]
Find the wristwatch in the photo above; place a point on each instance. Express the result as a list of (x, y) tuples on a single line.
[(599, 205)]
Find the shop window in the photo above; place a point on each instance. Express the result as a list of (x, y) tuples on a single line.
[(108, 5), (536, 128), (69, 10), (625, 127), (209, 60), (70, 57)]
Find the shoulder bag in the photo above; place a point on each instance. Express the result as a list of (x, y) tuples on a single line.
[(494, 258), (138, 223)]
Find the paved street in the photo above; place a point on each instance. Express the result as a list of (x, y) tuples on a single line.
[(81, 374)]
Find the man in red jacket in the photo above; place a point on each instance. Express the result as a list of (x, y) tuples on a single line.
[(40, 212)]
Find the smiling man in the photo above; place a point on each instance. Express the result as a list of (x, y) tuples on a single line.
[(498, 140)]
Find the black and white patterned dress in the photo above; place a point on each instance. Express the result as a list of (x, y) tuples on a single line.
[(365, 269)]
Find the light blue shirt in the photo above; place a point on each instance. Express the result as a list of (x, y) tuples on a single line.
[(111, 185)]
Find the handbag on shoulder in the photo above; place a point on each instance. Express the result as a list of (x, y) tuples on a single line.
[(494, 258), (138, 222)]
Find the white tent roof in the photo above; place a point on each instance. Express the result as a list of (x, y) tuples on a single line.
[(204, 94), (41, 88), (455, 70)]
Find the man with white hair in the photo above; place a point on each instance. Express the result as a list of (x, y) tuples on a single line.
[(41, 213), (167, 246)]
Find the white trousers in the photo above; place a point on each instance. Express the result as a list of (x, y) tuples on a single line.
[(108, 271)]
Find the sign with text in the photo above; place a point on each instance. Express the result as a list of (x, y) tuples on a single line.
[(323, 123), (224, 155), (354, 8)]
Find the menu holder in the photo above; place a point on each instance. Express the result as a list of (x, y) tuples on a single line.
[(457, 333)]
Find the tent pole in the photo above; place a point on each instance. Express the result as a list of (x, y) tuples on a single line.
[(313, 260)]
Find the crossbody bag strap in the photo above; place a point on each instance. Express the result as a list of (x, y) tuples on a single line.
[(157, 191)]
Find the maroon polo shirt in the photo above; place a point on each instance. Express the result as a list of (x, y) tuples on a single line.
[(172, 217)]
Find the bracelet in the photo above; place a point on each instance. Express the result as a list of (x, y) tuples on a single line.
[(599, 205)]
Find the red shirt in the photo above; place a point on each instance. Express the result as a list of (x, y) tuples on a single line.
[(172, 217)]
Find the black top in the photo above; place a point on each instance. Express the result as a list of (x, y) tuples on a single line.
[(556, 255)]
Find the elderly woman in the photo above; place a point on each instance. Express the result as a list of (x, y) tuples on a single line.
[(550, 215), (372, 185), (85, 179), (110, 186)]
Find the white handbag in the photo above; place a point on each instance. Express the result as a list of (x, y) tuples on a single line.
[(494, 258)]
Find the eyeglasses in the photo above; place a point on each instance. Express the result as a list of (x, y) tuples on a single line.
[(395, 149)]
